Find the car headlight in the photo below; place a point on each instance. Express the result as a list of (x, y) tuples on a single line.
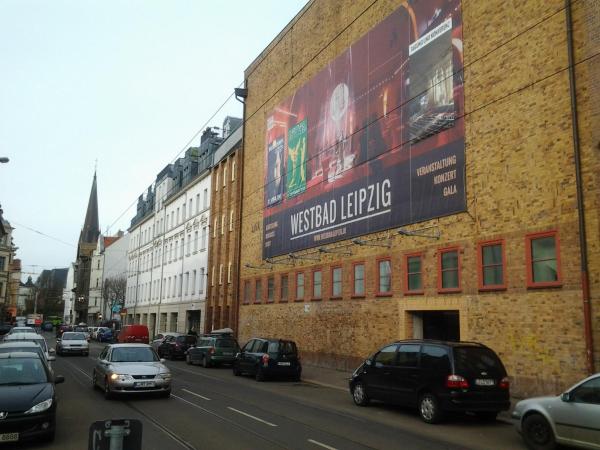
[(165, 376), (120, 377), (43, 406)]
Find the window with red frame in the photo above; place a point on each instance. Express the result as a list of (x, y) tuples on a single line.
[(270, 289), (359, 279), (284, 289), (247, 287), (543, 260), (300, 286), (491, 275), (449, 270), (258, 291), (317, 282), (414, 273), (384, 269), (336, 282)]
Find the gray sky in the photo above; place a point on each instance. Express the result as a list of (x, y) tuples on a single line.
[(127, 82)]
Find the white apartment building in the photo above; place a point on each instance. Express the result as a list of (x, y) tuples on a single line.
[(68, 295), (168, 247)]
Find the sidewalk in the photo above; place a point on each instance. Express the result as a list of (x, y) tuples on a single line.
[(338, 379)]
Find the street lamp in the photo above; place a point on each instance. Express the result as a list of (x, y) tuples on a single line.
[(3, 159)]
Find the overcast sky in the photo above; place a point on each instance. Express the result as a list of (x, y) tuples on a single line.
[(126, 82)]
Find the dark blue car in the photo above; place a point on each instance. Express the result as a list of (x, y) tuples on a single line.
[(106, 335)]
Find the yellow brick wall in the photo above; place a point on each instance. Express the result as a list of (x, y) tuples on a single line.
[(520, 179)]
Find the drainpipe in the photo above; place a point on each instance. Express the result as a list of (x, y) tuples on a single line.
[(587, 313)]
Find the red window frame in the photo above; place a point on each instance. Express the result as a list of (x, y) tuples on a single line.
[(332, 296), (378, 262), (441, 251), (256, 299), (249, 297), (354, 294), (296, 298), (480, 266), (528, 258), (272, 300), (281, 277), (408, 291), (312, 284)]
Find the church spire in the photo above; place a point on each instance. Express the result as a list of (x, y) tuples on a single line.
[(91, 228)]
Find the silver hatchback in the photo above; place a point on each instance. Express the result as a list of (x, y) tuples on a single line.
[(572, 418), (131, 368)]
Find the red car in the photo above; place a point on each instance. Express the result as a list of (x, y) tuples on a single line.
[(133, 334)]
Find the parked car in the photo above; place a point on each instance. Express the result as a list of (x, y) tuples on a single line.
[(159, 338), (32, 337), (268, 357), (4, 328), (105, 335), (213, 350), (81, 328), (72, 342), (435, 376), (572, 418), (24, 329), (47, 326), (96, 331), (133, 334), (131, 368), (176, 346), (22, 346), (28, 397)]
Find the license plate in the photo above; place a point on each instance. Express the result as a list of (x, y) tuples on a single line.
[(285, 363), (227, 353), (144, 384), (485, 382), (9, 437)]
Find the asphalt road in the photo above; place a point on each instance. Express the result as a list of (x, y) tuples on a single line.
[(212, 409)]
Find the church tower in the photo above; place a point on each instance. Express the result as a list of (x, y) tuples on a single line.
[(85, 247)]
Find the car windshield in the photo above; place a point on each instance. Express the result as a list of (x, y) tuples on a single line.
[(74, 337), (16, 371), (133, 354), (225, 343), (476, 359), (191, 340)]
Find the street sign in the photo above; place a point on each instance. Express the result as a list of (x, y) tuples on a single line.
[(115, 434), (116, 308)]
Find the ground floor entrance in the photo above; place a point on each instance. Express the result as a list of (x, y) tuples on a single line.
[(440, 325), (193, 320)]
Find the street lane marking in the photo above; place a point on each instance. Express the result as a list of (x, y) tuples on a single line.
[(251, 416), (197, 395), (320, 444)]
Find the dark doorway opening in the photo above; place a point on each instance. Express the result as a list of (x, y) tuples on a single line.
[(193, 321), (441, 325)]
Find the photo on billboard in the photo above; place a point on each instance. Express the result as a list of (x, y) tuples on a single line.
[(373, 141)]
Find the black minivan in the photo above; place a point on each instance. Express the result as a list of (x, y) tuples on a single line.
[(436, 377), (268, 357)]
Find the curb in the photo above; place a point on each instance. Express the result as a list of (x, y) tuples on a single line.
[(318, 383)]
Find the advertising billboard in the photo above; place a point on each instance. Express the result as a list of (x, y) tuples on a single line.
[(373, 141)]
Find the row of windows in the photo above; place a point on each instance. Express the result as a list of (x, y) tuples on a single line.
[(224, 165), (221, 268), (542, 258), (172, 287), (216, 224)]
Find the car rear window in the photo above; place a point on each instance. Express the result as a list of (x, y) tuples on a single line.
[(225, 343), (476, 359), (191, 340), (283, 347)]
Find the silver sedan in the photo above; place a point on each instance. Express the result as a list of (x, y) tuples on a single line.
[(131, 368), (572, 418)]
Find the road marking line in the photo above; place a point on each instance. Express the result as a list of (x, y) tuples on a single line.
[(320, 444), (79, 370), (197, 395), (252, 417)]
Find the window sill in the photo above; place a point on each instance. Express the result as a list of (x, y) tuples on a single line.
[(299, 300), (450, 291), (414, 292), (283, 301), (492, 288), (358, 296), (553, 284), (336, 298), (316, 299), (383, 294)]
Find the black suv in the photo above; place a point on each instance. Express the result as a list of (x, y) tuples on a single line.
[(268, 357), (213, 350), (436, 377)]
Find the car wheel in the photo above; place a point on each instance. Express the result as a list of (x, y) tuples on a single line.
[(107, 393), (205, 362), (236, 370), (429, 408), (260, 374), (188, 360), (537, 433), (359, 394)]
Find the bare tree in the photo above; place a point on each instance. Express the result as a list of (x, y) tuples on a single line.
[(114, 291)]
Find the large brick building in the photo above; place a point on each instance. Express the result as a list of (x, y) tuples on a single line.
[(459, 115)]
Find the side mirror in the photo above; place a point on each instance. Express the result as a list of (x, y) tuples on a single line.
[(565, 397), (103, 361), (59, 379), (162, 360), (368, 362)]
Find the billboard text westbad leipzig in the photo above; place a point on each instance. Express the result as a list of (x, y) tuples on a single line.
[(373, 141)]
